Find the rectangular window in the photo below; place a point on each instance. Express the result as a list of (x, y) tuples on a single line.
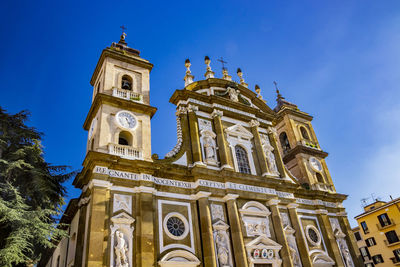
[(357, 236), (396, 253), (384, 220), (370, 264), (370, 242), (365, 253), (392, 237), (364, 227), (377, 259)]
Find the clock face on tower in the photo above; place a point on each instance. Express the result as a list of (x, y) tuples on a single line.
[(126, 120), (315, 164)]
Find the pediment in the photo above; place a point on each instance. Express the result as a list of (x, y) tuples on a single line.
[(320, 257), (122, 218), (179, 258), (263, 242), (289, 230), (239, 130), (254, 208), (220, 225)]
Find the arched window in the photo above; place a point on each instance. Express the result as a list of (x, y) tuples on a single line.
[(320, 178), (126, 82), (284, 142), (242, 159), (125, 138), (304, 133)]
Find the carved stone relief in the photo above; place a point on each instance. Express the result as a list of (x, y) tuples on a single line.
[(122, 202), (255, 217), (263, 250), (233, 94), (217, 212)]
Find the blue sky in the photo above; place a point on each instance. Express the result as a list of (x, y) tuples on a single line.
[(337, 60)]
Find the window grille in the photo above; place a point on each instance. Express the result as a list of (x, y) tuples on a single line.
[(242, 160)]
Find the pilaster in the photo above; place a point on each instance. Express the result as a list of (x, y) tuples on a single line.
[(206, 230), (80, 238), (98, 230), (300, 240), (221, 141), (330, 241), (262, 161), (145, 249), (194, 135), (350, 239), (280, 232), (239, 251), (278, 158)]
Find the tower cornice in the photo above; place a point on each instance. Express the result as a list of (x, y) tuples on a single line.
[(101, 99)]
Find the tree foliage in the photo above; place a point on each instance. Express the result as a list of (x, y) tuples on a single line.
[(31, 193)]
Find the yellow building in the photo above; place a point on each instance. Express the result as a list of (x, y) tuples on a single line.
[(378, 233), (246, 185)]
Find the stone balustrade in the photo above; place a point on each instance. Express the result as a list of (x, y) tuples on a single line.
[(127, 94), (127, 152)]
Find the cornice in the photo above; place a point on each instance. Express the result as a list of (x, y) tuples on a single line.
[(101, 99), (303, 149)]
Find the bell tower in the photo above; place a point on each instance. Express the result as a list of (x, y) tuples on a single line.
[(299, 147), (118, 122)]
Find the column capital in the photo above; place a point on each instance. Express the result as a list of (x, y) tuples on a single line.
[(217, 113), (83, 201), (254, 123), (181, 110), (321, 211), (230, 197), (99, 183), (145, 189), (292, 206), (341, 214), (200, 194), (192, 108), (273, 202)]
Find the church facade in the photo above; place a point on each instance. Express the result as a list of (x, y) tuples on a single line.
[(245, 185)]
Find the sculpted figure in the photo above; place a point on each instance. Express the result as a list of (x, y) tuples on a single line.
[(346, 254), (222, 250), (121, 250), (233, 94), (209, 148)]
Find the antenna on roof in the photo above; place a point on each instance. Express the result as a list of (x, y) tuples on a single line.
[(364, 202)]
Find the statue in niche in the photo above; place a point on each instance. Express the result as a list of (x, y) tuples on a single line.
[(121, 250), (269, 154), (209, 148), (222, 250), (345, 253), (295, 256)]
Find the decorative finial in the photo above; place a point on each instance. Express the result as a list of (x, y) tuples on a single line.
[(209, 73), (123, 35), (188, 77), (279, 96), (240, 74), (258, 91)]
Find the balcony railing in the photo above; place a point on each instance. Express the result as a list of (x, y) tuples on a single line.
[(127, 94), (309, 143), (127, 152), (323, 187), (387, 243), (389, 224)]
